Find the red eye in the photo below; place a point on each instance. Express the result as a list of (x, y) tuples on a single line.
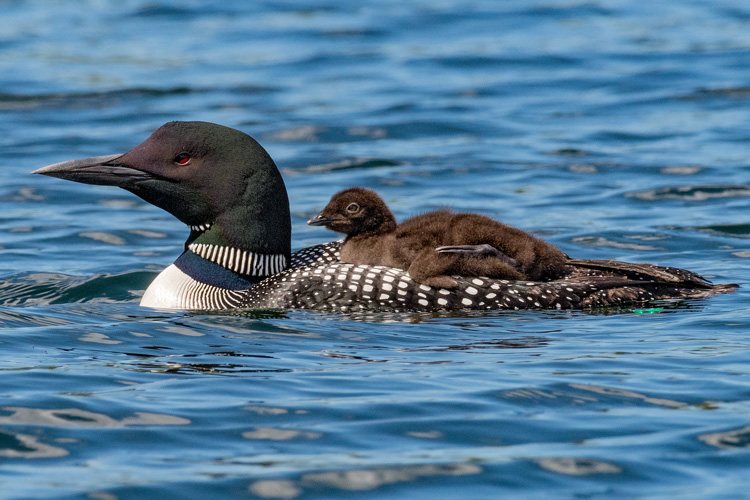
[(182, 159)]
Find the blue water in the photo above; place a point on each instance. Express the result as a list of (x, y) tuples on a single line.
[(614, 129)]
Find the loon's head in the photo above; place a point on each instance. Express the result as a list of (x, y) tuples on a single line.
[(217, 180), (356, 211)]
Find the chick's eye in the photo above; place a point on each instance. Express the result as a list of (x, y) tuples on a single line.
[(353, 207), (182, 159)]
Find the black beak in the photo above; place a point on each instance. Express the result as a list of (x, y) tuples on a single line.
[(319, 220), (102, 170)]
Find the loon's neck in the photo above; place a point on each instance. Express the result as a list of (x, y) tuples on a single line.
[(210, 272)]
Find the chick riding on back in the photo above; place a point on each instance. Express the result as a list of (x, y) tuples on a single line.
[(435, 245)]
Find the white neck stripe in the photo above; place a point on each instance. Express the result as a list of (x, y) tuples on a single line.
[(201, 228), (241, 261)]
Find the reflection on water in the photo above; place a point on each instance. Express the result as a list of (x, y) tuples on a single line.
[(98, 338), (578, 466), (739, 438), (14, 445), (260, 410), (727, 230), (692, 193), (604, 242), (581, 394), (279, 434), (73, 417), (357, 480), (211, 368), (21, 445), (529, 342), (108, 238), (609, 391)]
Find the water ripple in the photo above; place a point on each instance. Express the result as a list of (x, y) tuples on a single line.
[(36, 289), (610, 129), (691, 193)]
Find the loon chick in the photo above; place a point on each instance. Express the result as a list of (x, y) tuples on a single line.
[(435, 245), (227, 189)]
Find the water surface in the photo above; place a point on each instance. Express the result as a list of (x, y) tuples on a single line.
[(613, 129)]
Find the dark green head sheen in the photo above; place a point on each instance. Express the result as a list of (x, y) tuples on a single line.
[(201, 173)]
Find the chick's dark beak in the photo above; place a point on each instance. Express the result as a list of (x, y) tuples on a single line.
[(319, 220)]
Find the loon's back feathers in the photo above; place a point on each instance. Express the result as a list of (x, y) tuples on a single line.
[(320, 282), (227, 189)]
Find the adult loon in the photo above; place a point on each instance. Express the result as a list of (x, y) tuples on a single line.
[(435, 245), (227, 189)]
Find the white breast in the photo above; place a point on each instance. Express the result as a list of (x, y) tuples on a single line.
[(173, 289), (169, 290)]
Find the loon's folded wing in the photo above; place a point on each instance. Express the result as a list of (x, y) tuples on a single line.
[(634, 271)]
